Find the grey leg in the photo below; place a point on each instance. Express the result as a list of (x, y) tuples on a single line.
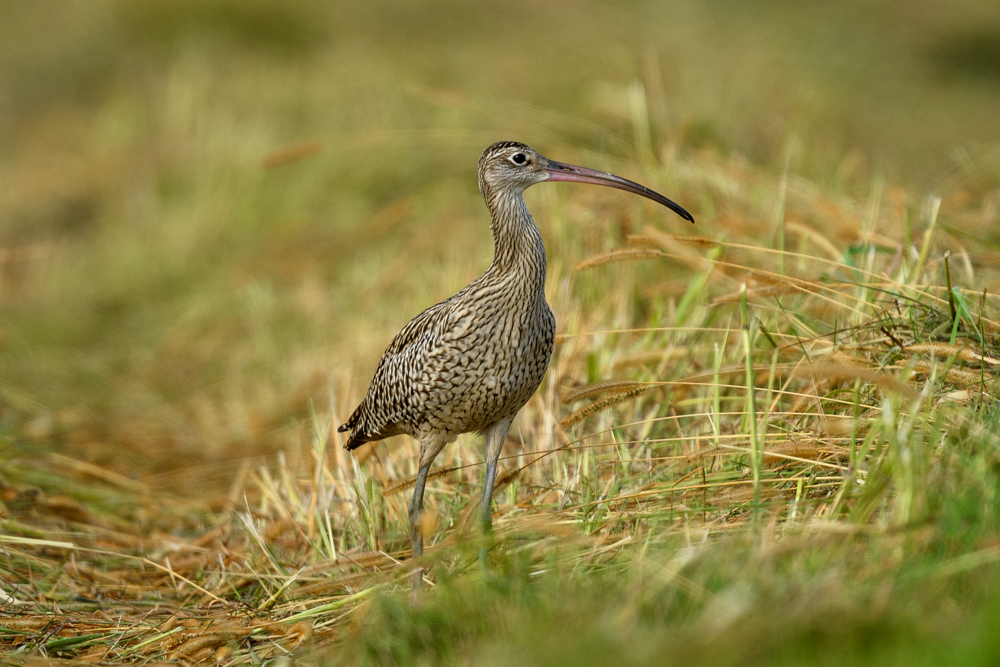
[(430, 447), (416, 536), (416, 507), (496, 435)]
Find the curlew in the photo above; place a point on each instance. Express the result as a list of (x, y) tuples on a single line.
[(472, 361)]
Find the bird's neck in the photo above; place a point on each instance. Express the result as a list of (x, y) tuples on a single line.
[(517, 243)]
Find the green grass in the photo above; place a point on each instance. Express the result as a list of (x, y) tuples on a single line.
[(767, 438)]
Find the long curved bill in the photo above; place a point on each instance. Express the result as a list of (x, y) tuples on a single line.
[(559, 171)]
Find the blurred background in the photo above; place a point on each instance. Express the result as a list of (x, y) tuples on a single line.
[(215, 213)]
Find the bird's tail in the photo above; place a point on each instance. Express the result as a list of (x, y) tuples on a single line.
[(357, 434), (363, 427)]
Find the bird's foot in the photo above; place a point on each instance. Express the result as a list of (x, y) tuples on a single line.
[(417, 552), (417, 579), (484, 558), (487, 543)]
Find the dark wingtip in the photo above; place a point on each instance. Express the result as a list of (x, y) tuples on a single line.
[(354, 442)]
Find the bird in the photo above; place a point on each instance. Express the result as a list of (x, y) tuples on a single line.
[(472, 361)]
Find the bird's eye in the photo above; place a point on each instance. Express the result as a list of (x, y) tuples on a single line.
[(518, 158)]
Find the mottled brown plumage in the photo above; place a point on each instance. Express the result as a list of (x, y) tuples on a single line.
[(472, 361)]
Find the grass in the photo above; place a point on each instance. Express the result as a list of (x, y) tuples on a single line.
[(770, 437)]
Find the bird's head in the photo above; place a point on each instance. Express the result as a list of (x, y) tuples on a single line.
[(510, 167)]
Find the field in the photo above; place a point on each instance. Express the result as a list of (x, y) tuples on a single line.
[(770, 437)]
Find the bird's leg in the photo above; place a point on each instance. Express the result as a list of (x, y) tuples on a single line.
[(496, 435), (416, 507)]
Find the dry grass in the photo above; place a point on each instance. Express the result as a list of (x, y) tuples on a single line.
[(840, 364)]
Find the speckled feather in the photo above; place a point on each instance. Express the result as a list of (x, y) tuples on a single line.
[(476, 358)]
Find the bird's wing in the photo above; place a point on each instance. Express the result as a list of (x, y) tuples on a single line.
[(425, 325), (385, 404)]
